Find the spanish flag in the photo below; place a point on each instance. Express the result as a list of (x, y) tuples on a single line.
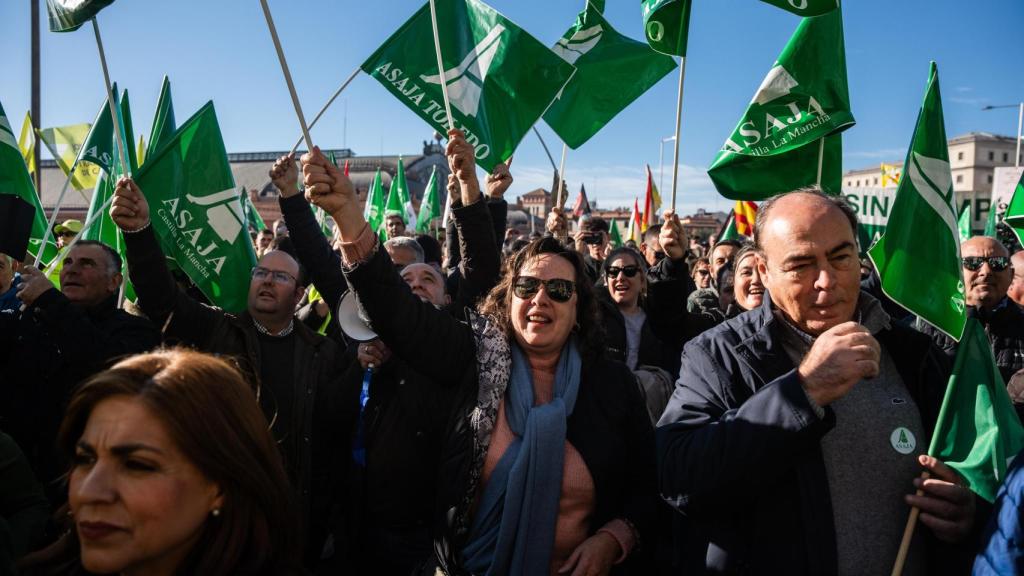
[(746, 216)]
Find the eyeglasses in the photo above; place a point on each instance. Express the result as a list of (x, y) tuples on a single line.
[(974, 263), (703, 271), (629, 271), (260, 274), (65, 234), (559, 290)]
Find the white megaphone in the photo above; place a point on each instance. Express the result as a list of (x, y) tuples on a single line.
[(352, 321)]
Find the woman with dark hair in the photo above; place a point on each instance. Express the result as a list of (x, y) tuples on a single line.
[(174, 472), (548, 465)]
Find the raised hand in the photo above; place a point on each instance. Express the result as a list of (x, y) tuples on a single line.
[(327, 187), (557, 224), (285, 175), (498, 181), (462, 161), (671, 237), (839, 358), (129, 209)]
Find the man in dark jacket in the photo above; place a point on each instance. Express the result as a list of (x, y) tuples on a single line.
[(293, 370), (796, 434), (987, 276), (61, 338)]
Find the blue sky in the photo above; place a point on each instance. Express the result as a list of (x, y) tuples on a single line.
[(221, 50)]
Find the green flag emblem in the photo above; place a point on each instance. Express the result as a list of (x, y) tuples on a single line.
[(69, 15), (922, 239), (197, 213), (611, 72), (777, 146), (667, 25), (500, 79), (805, 7)]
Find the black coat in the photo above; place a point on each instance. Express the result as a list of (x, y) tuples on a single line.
[(739, 451), (46, 352), (311, 448), (609, 426)]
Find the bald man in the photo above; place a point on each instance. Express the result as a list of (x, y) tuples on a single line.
[(1016, 289), (796, 431), (987, 278)]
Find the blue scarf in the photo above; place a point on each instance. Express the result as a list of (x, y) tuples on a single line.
[(514, 526)]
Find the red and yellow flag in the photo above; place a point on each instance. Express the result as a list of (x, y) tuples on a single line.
[(652, 204), (746, 216)]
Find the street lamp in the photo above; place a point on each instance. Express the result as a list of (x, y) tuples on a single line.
[(1020, 125), (661, 169)]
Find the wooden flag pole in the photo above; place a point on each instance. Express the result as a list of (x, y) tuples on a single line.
[(679, 123), (326, 106), (561, 177), (821, 158), (121, 150), (908, 534), (440, 66), (287, 74)]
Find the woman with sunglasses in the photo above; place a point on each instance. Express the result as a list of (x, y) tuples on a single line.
[(548, 466)]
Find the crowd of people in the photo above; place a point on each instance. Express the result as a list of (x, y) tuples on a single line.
[(524, 404)]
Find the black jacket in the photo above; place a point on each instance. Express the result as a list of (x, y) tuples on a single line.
[(609, 426), (311, 445), (46, 352), (24, 510), (668, 286), (739, 451), (1004, 326)]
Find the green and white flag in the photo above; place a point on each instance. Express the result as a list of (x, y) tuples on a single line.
[(978, 432), (500, 79), (615, 237), (373, 212), (964, 224), (667, 25), (15, 180), (163, 120), (196, 212), (69, 15), (805, 7), (398, 197), (1014, 217), (253, 220), (611, 72), (777, 146), (430, 207), (922, 239)]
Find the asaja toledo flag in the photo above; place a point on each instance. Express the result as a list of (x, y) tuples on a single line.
[(430, 207), (611, 72), (27, 143), (667, 25), (1015, 211), (374, 209), (399, 199), (805, 7), (977, 432), (776, 145), (196, 212), (69, 15), (14, 180), (922, 239), (500, 79)]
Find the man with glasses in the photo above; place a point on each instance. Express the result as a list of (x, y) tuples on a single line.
[(1016, 290), (987, 277), (293, 370)]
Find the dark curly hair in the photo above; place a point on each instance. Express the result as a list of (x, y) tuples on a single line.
[(498, 303)]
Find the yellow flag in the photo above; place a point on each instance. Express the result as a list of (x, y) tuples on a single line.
[(64, 143), (141, 154), (27, 143), (890, 175)]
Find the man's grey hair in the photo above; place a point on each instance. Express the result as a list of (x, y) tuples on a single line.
[(408, 243), (764, 212)]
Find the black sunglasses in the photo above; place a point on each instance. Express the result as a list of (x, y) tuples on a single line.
[(974, 263), (559, 290), (629, 271)]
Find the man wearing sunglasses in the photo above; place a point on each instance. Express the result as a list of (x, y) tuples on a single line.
[(293, 370), (987, 277)]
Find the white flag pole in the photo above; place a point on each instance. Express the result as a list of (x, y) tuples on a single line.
[(561, 177), (52, 221), (85, 227), (679, 122), (440, 66), (821, 158), (287, 74), (326, 106), (121, 150)]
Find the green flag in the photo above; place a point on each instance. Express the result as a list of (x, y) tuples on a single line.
[(196, 212), (69, 15), (1014, 217), (777, 146), (430, 207), (615, 236), (398, 197), (729, 231), (500, 79), (100, 147), (611, 72), (163, 119), (253, 220), (15, 180), (805, 7), (374, 210), (922, 239), (667, 25), (990, 222), (964, 224), (103, 228), (977, 432)]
